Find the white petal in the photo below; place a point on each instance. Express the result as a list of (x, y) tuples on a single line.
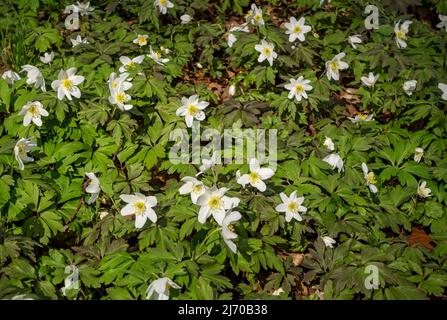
[(151, 215), (204, 213), (243, 180), (281, 207), (266, 173), (140, 220), (260, 185), (127, 210)]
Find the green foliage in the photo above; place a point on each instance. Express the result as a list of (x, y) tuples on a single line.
[(46, 223)]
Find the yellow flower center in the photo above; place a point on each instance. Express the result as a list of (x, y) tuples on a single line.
[(297, 29), (34, 110), (140, 207), (192, 110), (142, 41), (363, 116), (215, 202), (292, 206), (423, 191), (400, 34), (157, 55), (67, 84), (299, 88), (419, 153), (248, 15), (334, 66), (121, 97), (258, 17), (163, 2), (267, 51), (131, 64), (22, 150), (371, 178), (230, 227), (254, 177), (197, 188)]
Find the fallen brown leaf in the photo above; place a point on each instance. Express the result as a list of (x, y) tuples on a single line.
[(350, 96), (420, 237)]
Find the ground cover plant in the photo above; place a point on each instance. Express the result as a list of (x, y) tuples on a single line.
[(93, 205)]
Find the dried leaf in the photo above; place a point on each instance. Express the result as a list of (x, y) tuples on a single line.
[(420, 237), (349, 95)]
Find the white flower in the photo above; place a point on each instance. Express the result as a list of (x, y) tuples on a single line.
[(71, 281), (129, 63), (163, 5), (409, 86), (186, 18), (83, 8), (120, 98), (47, 57), (66, 84), (118, 83), (78, 40), (141, 40), (328, 143), (192, 109), (335, 161), (33, 110), (423, 191), (401, 33), (231, 38), (34, 76), (355, 39), (372, 21), (165, 50), (418, 153), (256, 175), (266, 51), (335, 65), (443, 22), (255, 16), (370, 178), (227, 229), (21, 149), (443, 88), (103, 214), (278, 292), (296, 29), (10, 76), (291, 206), (370, 80), (214, 202), (161, 288), (194, 187), (232, 90), (362, 117), (328, 241), (118, 87), (207, 163), (298, 88), (93, 187), (156, 56), (141, 206)]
